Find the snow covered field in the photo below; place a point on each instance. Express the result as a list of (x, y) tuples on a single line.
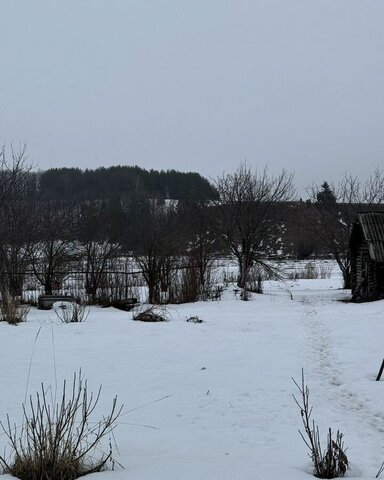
[(228, 411)]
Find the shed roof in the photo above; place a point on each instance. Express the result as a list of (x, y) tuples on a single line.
[(372, 226)]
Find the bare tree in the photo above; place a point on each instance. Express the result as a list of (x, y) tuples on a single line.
[(202, 246), (330, 216), (248, 214), (50, 254), (97, 258), (16, 235), (14, 173), (15, 231), (155, 248), (100, 244)]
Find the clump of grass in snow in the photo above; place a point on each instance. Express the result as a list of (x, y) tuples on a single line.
[(332, 462), (59, 441), (152, 314), (195, 319), (72, 312)]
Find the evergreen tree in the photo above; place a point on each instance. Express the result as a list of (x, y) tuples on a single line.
[(326, 197)]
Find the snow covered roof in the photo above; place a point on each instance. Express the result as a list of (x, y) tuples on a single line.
[(372, 225)]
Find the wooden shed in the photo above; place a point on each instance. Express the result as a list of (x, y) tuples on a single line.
[(367, 257)]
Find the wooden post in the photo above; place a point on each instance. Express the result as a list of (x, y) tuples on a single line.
[(380, 371)]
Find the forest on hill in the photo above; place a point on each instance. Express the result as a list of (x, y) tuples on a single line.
[(126, 183)]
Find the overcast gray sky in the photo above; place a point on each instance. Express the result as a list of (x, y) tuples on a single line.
[(196, 85)]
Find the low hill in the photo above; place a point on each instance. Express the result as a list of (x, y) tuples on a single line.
[(124, 182)]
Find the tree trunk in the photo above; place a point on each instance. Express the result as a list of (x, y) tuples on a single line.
[(153, 293), (91, 288), (48, 287), (347, 278), (151, 276), (345, 267), (244, 268)]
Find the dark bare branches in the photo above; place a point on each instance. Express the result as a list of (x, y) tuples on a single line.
[(248, 214), (332, 222)]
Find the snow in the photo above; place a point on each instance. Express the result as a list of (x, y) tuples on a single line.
[(213, 400)]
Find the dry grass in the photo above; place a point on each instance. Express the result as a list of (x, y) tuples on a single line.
[(59, 442), (312, 271), (152, 314), (12, 311), (332, 462), (72, 312)]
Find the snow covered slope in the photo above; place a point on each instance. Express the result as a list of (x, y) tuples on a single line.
[(213, 400)]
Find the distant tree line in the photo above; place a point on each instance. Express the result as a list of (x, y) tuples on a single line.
[(127, 183)]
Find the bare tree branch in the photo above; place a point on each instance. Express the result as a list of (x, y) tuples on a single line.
[(248, 213)]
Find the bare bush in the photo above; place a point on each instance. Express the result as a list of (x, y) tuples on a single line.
[(311, 271), (214, 293), (12, 311), (325, 271), (246, 295), (255, 280), (59, 441), (308, 272), (152, 314), (185, 286), (229, 277), (124, 284), (331, 462), (72, 312)]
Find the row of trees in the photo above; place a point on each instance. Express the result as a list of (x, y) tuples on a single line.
[(173, 247), (334, 209)]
